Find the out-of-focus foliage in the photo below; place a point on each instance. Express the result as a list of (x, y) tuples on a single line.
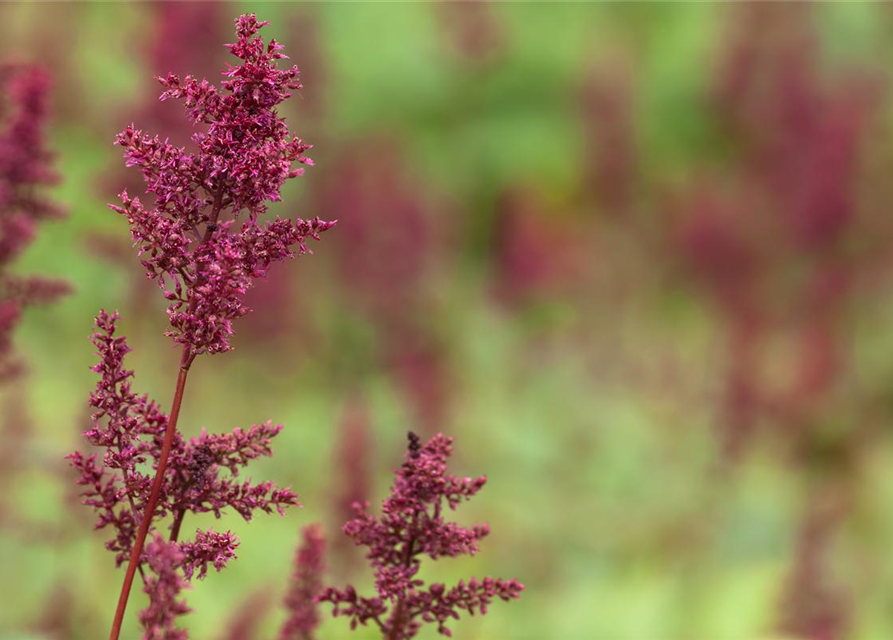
[(634, 257)]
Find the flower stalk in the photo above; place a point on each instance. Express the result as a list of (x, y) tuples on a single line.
[(146, 520), (203, 241)]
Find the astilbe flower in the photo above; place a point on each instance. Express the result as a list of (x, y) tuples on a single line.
[(411, 526), (391, 215), (781, 243), (370, 190), (306, 585), (525, 272), (129, 429), (193, 241), (202, 239), (25, 170), (790, 201)]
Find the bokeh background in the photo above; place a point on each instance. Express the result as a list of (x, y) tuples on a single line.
[(636, 258)]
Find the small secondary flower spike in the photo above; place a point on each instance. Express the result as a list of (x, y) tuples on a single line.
[(202, 239), (412, 526)]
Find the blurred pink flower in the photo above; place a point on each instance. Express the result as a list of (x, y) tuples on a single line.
[(306, 585), (25, 172)]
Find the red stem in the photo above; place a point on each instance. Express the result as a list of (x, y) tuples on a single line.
[(175, 528), (397, 630), (146, 520)]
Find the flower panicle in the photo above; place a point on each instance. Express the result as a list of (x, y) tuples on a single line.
[(127, 433), (199, 235), (194, 239), (412, 526)]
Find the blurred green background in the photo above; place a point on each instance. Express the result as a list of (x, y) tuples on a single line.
[(634, 257)]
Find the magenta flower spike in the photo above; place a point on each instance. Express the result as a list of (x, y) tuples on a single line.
[(203, 239), (25, 170), (306, 584), (412, 526)]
